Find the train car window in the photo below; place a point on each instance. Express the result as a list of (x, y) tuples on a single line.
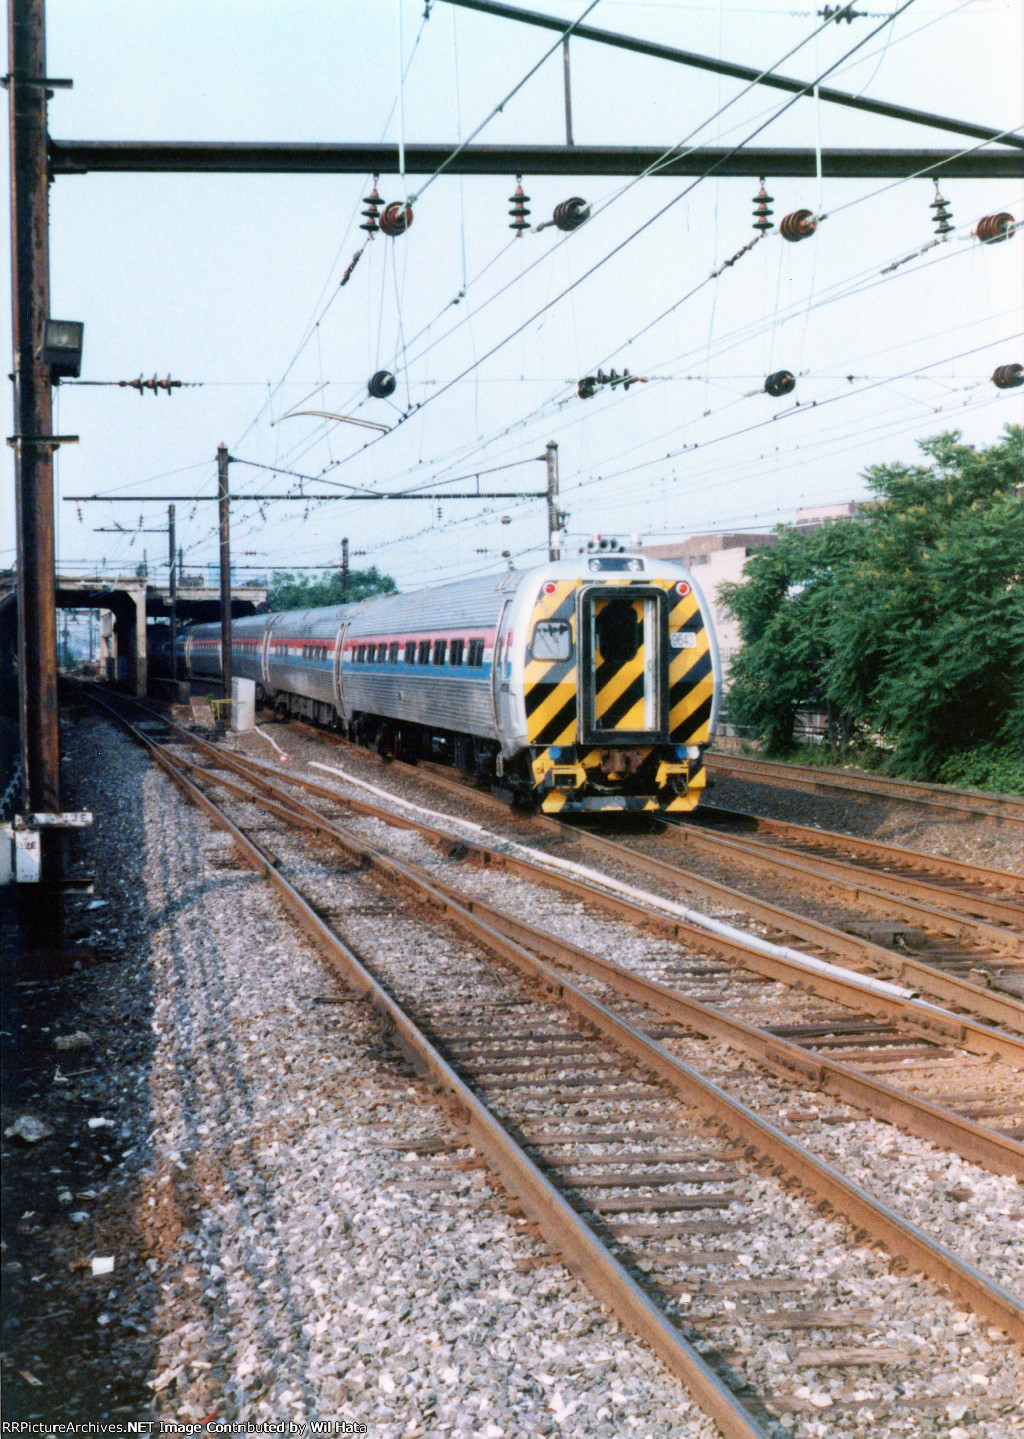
[(360, 654), (410, 652), (619, 632), (552, 640), (424, 655), (440, 649), (475, 658), (456, 652), (393, 653)]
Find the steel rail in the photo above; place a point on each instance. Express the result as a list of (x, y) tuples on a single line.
[(894, 854), (805, 777), (957, 1028), (914, 900), (984, 1003), (566, 1231), (572, 1237), (929, 1121), (793, 1062)]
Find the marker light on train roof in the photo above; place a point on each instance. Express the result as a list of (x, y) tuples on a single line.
[(682, 588), (550, 587)]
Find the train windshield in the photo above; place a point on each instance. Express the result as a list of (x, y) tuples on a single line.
[(552, 640)]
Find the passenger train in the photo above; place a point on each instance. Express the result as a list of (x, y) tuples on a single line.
[(589, 684)]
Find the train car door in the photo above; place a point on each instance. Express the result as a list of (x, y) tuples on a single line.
[(623, 681), (268, 633), (339, 650), (499, 685)]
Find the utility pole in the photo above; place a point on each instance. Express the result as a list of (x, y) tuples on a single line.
[(223, 499), (344, 566), (33, 417), (552, 498), (172, 591)]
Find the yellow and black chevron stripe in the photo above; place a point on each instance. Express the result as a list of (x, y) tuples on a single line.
[(549, 686), (691, 681)]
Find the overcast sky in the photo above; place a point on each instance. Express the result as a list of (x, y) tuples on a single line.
[(231, 283)]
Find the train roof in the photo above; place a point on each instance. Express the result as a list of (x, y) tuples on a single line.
[(460, 601)]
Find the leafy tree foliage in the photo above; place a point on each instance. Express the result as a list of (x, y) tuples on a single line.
[(905, 624), (290, 592)]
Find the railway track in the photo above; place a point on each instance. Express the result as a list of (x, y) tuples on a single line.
[(845, 1038), (938, 982), (1006, 809), (961, 883), (974, 964), (648, 1178), (939, 1065), (963, 930)]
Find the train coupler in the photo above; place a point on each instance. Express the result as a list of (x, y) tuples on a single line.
[(674, 776), (566, 777)]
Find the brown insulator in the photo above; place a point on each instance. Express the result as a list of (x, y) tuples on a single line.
[(587, 387), (993, 228), (154, 384), (395, 219), (571, 214), (781, 382), (941, 219), (518, 212), (1008, 377), (761, 211), (373, 203), (382, 384), (800, 225)]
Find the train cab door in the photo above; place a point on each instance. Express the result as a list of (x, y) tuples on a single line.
[(623, 676), (499, 673), (339, 651)]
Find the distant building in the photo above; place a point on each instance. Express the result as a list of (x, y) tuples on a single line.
[(811, 516), (718, 559)]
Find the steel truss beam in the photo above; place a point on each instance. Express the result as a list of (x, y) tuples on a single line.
[(79, 157)]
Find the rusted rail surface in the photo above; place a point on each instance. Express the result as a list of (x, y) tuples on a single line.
[(903, 969), (881, 857), (957, 1028), (819, 938), (980, 805), (945, 1127), (565, 1230), (887, 884), (986, 927), (564, 1227)]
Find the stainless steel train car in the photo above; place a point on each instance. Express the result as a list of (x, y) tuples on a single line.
[(589, 684)]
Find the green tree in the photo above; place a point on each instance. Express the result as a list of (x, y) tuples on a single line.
[(906, 623), (290, 592), (790, 659)]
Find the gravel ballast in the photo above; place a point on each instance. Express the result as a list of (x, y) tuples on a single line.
[(297, 1233), (286, 1245)]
